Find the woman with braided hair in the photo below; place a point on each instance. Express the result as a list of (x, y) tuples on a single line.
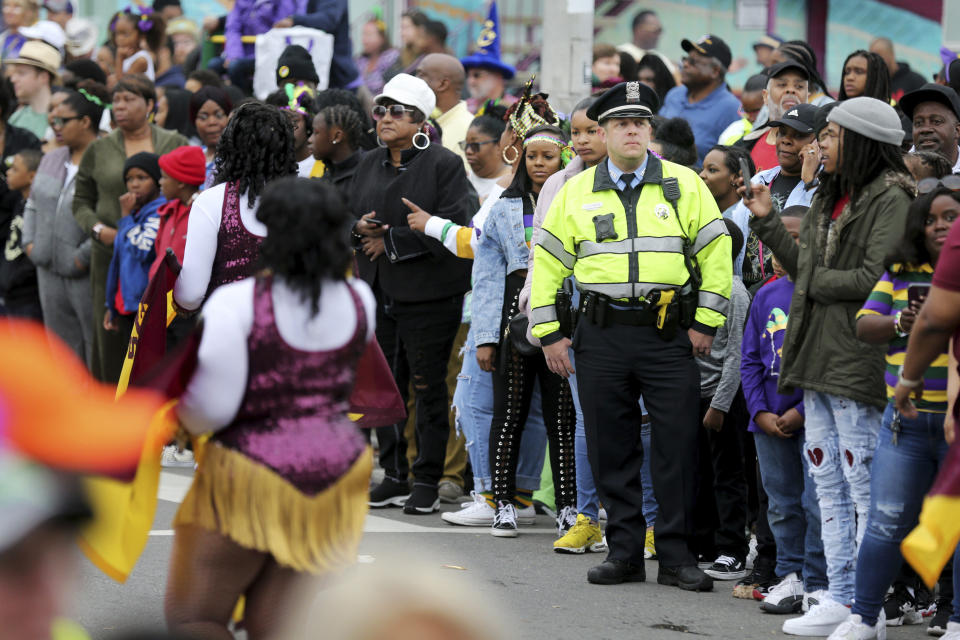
[(224, 234), (298, 104), (499, 272), (337, 133)]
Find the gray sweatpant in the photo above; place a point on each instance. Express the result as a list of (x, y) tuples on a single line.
[(66, 310)]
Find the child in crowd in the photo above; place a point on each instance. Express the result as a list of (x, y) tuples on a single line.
[(133, 249), (723, 489), (182, 172), (19, 295), (776, 422), (138, 34)]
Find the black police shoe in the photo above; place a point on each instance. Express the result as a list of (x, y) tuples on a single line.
[(687, 578), (616, 572)]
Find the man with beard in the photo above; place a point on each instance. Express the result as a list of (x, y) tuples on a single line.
[(788, 86), (935, 112), (703, 99), (487, 74)]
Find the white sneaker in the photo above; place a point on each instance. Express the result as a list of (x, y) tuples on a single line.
[(821, 620), (473, 514), (785, 597), (174, 458), (953, 631), (505, 521), (814, 598), (527, 516), (565, 520), (853, 628)]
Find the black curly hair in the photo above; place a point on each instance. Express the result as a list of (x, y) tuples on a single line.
[(308, 235), (676, 140), (84, 106), (255, 148), (912, 248), (347, 120), (331, 97), (732, 156)]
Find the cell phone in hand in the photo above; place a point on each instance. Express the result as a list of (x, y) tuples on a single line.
[(917, 292), (374, 222), (745, 173)]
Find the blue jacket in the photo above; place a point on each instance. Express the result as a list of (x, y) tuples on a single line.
[(502, 249), (332, 16), (133, 253), (762, 349), (708, 117)]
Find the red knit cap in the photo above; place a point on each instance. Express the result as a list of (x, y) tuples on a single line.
[(185, 164)]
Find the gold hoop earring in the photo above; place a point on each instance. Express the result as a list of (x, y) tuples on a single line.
[(516, 155)]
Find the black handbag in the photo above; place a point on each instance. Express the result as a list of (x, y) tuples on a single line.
[(517, 335)]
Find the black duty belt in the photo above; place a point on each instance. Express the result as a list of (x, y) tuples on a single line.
[(631, 317)]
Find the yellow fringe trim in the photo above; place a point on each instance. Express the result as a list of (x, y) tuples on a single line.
[(256, 508)]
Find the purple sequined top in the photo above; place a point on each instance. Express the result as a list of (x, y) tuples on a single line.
[(237, 248), (293, 417)]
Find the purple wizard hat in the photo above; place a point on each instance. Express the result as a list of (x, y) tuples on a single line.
[(487, 54)]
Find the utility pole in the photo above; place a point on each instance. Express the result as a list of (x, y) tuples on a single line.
[(951, 24), (567, 51)]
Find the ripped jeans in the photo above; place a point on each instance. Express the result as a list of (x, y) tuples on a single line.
[(841, 437), (896, 496)]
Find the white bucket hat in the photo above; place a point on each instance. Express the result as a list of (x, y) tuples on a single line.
[(410, 91)]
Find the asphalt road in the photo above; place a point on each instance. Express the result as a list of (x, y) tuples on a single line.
[(545, 595)]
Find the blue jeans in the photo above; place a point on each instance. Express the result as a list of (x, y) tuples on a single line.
[(792, 511), (841, 438), (905, 473), (588, 503), (473, 404)]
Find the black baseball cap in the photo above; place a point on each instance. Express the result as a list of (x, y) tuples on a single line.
[(802, 118), (931, 92), (774, 70), (712, 46)]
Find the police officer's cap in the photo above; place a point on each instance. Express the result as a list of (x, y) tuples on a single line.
[(626, 100)]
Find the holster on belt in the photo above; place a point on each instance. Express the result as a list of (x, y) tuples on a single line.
[(668, 315), (566, 314)]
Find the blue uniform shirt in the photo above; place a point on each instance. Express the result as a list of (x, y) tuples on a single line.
[(708, 118)]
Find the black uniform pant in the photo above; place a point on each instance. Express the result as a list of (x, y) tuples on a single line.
[(615, 365), (416, 339), (513, 381)]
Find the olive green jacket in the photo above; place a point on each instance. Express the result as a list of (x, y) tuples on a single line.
[(835, 266)]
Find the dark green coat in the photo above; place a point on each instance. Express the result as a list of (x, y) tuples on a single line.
[(835, 267), (96, 199)]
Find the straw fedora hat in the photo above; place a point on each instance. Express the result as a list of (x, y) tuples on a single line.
[(42, 55)]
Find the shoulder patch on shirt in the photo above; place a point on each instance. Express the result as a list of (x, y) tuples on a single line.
[(590, 206)]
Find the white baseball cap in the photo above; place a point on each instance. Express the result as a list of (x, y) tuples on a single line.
[(410, 91), (46, 30), (81, 37)]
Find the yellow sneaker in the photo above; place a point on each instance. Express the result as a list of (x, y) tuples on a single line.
[(583, 536), (649, 550)]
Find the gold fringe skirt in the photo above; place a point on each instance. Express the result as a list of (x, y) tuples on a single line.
[(255, 507)]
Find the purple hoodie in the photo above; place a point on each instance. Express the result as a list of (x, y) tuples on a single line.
[(251, 18), (762, 347)]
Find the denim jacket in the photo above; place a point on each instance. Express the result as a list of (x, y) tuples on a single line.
[(502, 249)]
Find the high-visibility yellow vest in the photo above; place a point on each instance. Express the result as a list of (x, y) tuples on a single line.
[(647, 253)]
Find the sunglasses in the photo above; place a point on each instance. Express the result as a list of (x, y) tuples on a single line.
[(396, 111), (58, 123), (927, 185), (474, 147)]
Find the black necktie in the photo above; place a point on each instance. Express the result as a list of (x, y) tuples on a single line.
[(627, 179)]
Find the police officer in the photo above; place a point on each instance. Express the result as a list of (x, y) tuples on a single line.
[(650, 253)]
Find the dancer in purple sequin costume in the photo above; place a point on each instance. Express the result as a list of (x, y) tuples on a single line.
[(224, 234), (280, 495)]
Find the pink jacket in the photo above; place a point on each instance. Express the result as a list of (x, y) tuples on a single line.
[(547, 193)]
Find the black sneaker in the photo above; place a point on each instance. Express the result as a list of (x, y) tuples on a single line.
[(758, 582), (389, 493), (423, 501), (938, 624), (726, 568), (900, 607), (505, 521)]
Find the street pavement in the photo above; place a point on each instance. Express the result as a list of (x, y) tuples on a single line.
[(544, 595)]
